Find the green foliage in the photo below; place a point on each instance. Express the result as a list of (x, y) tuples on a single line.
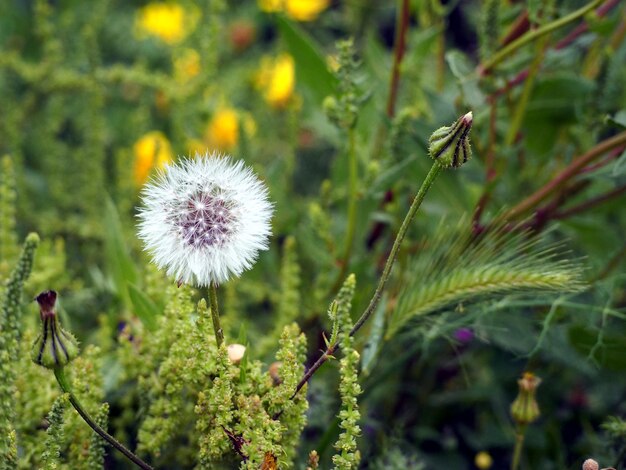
[(8, 240), (95, 456), (342, 153), (457, 268), (10, 333), (54, 433), (348, 456)]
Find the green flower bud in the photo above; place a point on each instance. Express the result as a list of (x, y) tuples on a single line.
[(450, 145), (524, 409), (54, 347)]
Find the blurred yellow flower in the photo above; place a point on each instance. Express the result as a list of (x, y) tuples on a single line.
[(300, 10), (223, 129), (483, 460), (305, 10), (277, 79), (152, 150), (186, 64), (168, 21)]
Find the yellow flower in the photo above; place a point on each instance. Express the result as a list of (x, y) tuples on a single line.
[(186, 65), (299, 10), (168, 21), (483, 460), (277, 79), (223, 129), (305, 10), (152, 150)]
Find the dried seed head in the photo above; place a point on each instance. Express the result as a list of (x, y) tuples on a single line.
[(450, 145), (54, 347), (205, 219)]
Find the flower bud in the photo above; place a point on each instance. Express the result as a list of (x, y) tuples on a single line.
[(450, 145), (54, 347), (524, 409)]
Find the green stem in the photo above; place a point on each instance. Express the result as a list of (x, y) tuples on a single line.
[(417, 202), (534, 34), (215, 315), (59, 373), (519, 444), (351, 216)]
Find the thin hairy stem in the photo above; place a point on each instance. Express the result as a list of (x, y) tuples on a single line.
[(417, 202), (530, 36), (215, 315), (59, 373)]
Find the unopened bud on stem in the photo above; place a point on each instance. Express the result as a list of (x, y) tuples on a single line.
[(525, 409), (54, 347), (450, 145)]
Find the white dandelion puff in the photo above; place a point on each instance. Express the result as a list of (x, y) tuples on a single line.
[(205, 219)]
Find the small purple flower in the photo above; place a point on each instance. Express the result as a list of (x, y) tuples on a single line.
[(464, 335)]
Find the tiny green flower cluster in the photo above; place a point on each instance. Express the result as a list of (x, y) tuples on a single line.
[(9, 346), (349, 388), (54, 433), (343, 109)]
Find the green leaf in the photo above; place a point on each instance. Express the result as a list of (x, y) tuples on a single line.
[(119, 263), (467, 79), (619, 168), (311, 69), (144, 307)]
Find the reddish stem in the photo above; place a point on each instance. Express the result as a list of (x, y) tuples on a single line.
[(398, 54), (571, 170)]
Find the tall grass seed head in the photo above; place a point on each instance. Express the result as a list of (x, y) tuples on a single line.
[(205, 219), (54, 347), (450, 145)]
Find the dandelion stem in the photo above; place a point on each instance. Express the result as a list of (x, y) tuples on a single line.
[(215, 315), (417, 202), (59, 373)]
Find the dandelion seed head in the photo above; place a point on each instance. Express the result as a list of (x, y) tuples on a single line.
[(205, 219)]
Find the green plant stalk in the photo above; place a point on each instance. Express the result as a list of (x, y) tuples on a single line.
[(215, 315), (417, 202), (333, 346), (59, 373), (537, 33), (351, 216), (520, 433), (522, 103)]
